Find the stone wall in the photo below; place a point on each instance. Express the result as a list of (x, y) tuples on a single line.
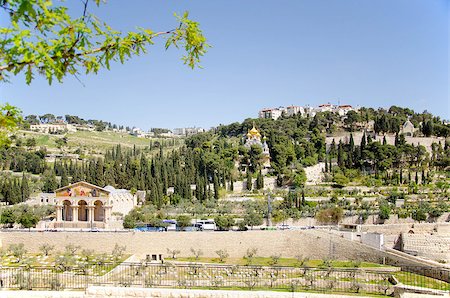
[(312, 243), (100, 292), (416, 228), (390, 139)]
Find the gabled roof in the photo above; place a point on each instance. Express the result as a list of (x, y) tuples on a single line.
[(82, 183), (408, 123)]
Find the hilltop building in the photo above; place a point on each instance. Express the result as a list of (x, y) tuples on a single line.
[(271, 113), (187, 131), (53, 128), (253, 137), (408, 129), (84, 205), (275, 113)]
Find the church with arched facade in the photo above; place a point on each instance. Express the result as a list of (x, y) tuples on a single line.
[(84, 205)]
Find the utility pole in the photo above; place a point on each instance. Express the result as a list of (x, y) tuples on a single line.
[(269, 210)]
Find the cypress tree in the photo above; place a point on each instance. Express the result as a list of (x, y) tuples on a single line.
[(216, 186), (303, 197), (16, 194), (50, 183), (259, 181), (351, 144), (249, 180), (99, 173), (64, 178), (25, 189), (340, 155)]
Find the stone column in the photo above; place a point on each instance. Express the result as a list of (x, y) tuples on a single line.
[(90, 213), (59, 213), (75, 213)]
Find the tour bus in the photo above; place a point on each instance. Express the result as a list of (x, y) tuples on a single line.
[(207, 224)]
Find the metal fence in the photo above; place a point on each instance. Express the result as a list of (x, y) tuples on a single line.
[(198, 276)]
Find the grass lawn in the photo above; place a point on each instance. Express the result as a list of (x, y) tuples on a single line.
[(285, 262), (98, 263), (92, 140), (412, 279)]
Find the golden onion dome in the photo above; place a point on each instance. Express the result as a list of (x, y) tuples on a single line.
[(254, 132)]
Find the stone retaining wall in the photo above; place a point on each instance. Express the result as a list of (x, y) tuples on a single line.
[(311, 243)]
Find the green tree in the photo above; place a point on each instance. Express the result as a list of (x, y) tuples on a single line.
[(249, 182), (340, 179), (183, 221), (79, 44), (8, 217), (253, 219), (10, 118), (28, 220), (49, 181), (64, 178), (384, 212), (43, 38), (300, 179), (259, 181), (25, 189), (224, 222)]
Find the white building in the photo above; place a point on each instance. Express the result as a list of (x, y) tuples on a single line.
[(342, 110), (187, 131), (408, 129), (294, 110), (53, 128), (271, 113)]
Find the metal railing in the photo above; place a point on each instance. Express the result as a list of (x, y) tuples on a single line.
[(201, 276)]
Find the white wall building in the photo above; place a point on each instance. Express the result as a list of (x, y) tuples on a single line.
[(53, 128)]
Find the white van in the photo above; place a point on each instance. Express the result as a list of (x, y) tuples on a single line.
[(207, 224)]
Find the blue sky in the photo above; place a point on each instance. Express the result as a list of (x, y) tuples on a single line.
[(265, 54)]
